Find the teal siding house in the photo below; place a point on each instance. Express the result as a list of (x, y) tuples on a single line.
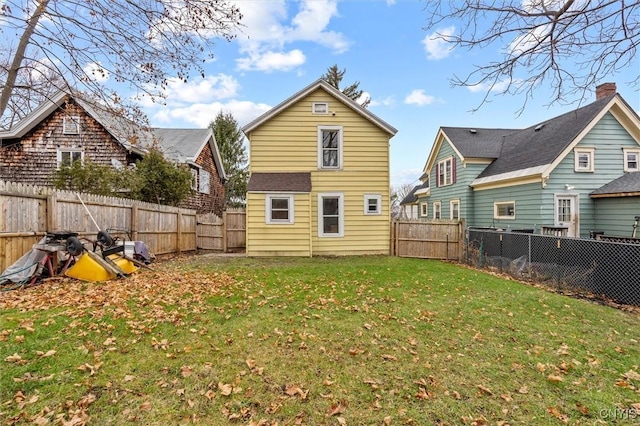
[(572, 175)]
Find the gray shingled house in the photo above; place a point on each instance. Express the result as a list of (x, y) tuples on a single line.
[(67, 128), (571, 175)]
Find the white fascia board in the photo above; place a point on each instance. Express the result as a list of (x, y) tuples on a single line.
[(517, 174)]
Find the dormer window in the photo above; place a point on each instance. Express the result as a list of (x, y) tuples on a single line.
[(71, 125), (320, 108)]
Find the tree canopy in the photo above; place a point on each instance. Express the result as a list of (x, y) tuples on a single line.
[(570, 45), (234, 158), (334, 77), (48, 45)]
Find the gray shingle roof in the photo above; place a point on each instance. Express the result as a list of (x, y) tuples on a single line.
[(411, 196), (542, 143), (281, 182), (629, 184), (181, 144), (477, 142)]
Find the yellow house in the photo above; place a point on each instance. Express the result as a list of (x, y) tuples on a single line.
[(319, 182)]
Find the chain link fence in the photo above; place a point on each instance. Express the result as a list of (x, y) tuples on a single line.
[(605, 269)]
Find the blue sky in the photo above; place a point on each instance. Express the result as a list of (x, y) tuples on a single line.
[(286, 45)]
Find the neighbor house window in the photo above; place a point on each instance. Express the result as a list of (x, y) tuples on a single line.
[(194, 179), (68, 156), (71, 125), (584, 158), (437, 210), (320, 108), (372, 204), (330, 215), (204, 182), (330, 147), (445, 172), (424, 210), (631, 160), (279, 209), (454, 209), (504, 210)]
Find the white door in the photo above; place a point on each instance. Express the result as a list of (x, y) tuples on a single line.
[(566, 213)]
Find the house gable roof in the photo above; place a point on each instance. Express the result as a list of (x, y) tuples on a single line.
[(412, 197), (320, 84)]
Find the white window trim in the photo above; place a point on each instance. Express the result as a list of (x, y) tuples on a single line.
[(496, 206), (340, 145), (267, 206), (451, 204), (340, 197), (317, 108), (378, 199), (424, 209), (442, 169), (592, 159), (204, 181), (437, 209), (66, 149), (627, 151), (71, 125)]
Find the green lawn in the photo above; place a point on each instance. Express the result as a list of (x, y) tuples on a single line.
[(322, 341)]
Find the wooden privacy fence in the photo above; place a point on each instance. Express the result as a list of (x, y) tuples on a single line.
[(227, 233), (29, 212), (433, 239)]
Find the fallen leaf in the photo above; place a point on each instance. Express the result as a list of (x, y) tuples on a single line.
[(46, 354), (14, 358), (336, 409), (129, 378), (631, 375), (387, 357), (225, 388), (209, 394), (485, 390), (251, 363), (554, 378)]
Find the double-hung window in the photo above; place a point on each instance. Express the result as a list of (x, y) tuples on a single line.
[(372, 204), (445, 172), (424, 209), (631, 160), (437, 210), (584, 159), (204, 184), (331, 214), (454, 209), (330, 147), (279, 209)]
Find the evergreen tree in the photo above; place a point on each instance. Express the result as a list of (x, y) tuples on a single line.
[(158, 180), (334, 77), (234, 158)]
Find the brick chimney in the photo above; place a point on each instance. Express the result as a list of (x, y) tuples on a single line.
[(605, 89)]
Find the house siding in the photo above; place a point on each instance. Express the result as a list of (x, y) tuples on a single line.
[(32, 159), (615, 216), (528, 209), (282, 239), (288, 142)]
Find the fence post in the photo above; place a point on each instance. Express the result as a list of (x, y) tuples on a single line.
[(51, 213), (179, 232), (134, 222), (224, 231)]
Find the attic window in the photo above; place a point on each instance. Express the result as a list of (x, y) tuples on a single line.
[(320, 108), (71, 125)]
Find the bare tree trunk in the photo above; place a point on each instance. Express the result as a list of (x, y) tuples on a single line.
[(18, 57)]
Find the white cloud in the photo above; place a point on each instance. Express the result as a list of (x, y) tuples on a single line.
[(418, 97), (388, 101), (201, 114), (496, 88), (528, 41), (95, 71), (272, 61), (435, 44), (267, 30), (219, 86)]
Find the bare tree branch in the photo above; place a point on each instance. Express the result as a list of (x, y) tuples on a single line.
[(144, 43), (570, 45)]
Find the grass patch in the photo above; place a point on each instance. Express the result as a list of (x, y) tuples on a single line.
[(322, 341)]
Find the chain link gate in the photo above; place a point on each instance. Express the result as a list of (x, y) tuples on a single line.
[(609, 270)]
